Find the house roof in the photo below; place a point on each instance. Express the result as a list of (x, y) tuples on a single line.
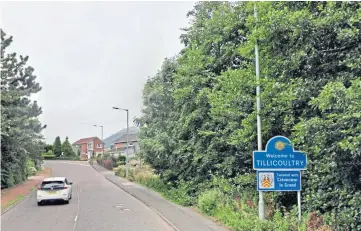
[(122, 149), (85, 140), (123, 138)]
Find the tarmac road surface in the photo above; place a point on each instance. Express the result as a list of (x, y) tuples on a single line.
[(97, 205)]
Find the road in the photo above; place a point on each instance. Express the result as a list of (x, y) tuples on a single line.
[(96, 205)]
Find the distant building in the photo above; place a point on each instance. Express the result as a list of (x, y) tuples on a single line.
[(88, 147), (119, 147)]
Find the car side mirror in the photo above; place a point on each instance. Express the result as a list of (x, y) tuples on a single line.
[(70, 183)]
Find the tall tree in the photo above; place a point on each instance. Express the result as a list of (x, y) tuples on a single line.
[(67, 149), (57, 146), (21, 138)]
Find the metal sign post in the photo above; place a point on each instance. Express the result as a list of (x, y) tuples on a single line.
[(299, 206), (261, 205)]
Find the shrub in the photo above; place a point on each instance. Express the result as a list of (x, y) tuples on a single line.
[(180, 194), (120, 163), (48, 156), (32, 171), (108, 164), (121, 158), (30, 168), (141, 175), (10, 180), (120, 171), (207, 201)]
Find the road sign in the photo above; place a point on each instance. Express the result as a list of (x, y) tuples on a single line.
[(279, 155), (279, 181)]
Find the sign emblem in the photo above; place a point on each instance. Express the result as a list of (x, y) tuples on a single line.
[(266, 180), (280, 145)]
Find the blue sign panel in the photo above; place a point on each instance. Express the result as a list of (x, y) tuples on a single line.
[(279, 155), (279, 181)]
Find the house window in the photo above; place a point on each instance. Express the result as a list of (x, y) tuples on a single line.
[(90, 146), (99, 145)]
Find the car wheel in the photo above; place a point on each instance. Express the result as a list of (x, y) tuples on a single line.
[(66, 202), (70, 196), (39, 203)]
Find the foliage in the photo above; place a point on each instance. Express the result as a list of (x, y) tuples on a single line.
[(31, 168), (49, 147), (208, 201), (51, 156), (67, 148), (48, 155), (57, 149), (66, 158), (334, 139), (21, 138), (107, 161), (121, 158), (198, 123)]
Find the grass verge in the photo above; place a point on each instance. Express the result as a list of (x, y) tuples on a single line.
[(218, 202), (14, 201)]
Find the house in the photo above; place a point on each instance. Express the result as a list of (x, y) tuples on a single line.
[(87, 147), (120, 145)]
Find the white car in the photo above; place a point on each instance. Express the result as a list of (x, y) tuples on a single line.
[(54, 189)]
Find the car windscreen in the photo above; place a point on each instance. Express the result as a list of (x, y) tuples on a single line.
[(51, 185)]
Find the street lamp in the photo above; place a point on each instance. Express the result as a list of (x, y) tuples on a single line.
[(126, 161), (102, 136)]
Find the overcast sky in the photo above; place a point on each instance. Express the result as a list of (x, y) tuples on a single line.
[(91, 56)]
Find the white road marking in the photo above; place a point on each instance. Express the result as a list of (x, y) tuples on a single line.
[(127, 183), (78, 208)]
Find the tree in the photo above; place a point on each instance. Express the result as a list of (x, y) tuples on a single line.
[(67, 149), (334, 139), (57, 147), (21, 138), (199, 116), (49, 147)]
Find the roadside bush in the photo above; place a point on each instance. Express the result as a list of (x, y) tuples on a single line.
[(32, 171), (120, 163), (10, 180), (208, 201), (108, 164), (143, 174), (119, 171), (180, 194), (349, 214), (47, 156), (121, 158), (30, 168)]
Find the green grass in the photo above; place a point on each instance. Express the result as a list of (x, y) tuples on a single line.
[(12, 202)]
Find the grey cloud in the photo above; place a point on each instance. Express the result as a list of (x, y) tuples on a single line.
[(90, 56)]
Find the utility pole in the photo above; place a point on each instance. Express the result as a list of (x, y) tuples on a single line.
[(127, 157), (261, 205), (127, 143)]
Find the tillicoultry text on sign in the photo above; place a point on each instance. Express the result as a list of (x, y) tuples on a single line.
[(279, 181), (279, 155)]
